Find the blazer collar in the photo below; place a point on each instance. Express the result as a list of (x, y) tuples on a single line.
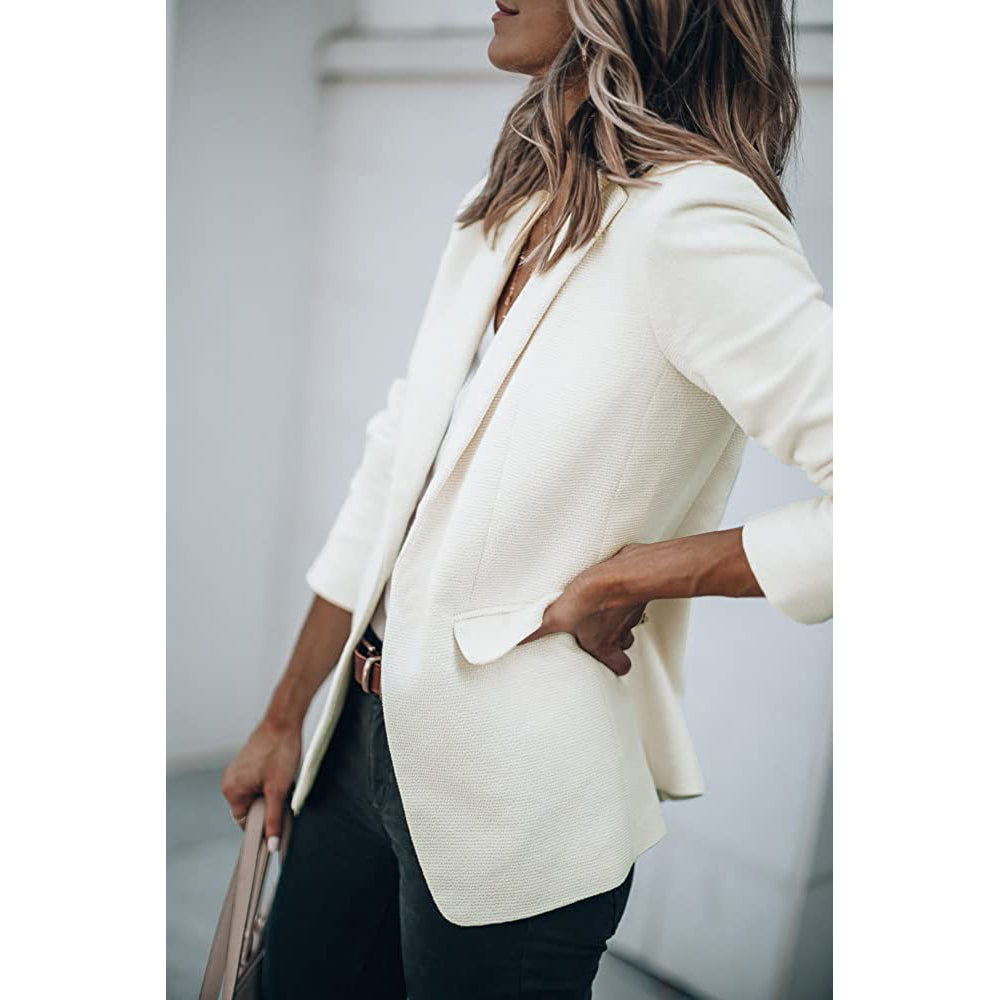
[(464, 321)]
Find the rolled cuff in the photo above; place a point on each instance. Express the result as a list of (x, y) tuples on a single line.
[(335, 574), (790, 550)]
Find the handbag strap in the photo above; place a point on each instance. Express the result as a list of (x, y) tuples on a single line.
[(216, 966), (239, 905)]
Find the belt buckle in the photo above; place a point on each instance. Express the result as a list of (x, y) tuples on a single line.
[(371, 658)]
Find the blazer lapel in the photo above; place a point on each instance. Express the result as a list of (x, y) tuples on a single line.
[(474, 306), (458, 328)]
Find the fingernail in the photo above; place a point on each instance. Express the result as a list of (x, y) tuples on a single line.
[(272, 844)]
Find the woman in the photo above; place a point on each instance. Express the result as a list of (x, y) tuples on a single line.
[(622, 301)]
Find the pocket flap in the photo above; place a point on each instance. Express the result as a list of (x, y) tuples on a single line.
[(485, 634)]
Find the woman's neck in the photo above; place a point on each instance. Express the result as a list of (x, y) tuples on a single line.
[(573, 96)]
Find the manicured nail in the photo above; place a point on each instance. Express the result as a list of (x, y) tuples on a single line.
[(273, 844)]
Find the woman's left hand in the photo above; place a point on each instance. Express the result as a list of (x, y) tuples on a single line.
[(600, 625)]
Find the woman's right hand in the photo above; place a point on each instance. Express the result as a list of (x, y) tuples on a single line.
[(266, 766)]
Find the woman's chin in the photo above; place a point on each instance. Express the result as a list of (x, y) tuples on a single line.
[(500, 54)]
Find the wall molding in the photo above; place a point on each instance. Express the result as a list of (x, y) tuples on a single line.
[(461, 55)]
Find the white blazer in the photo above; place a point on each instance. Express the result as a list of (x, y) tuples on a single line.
[(613, 408)]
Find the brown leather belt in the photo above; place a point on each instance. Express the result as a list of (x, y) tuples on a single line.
[(368, 662)]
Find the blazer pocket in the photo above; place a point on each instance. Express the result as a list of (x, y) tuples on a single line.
[(485, 634)]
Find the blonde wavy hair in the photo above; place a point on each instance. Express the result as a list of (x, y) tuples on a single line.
[(667, 81)]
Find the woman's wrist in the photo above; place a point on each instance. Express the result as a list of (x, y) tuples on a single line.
[(711, 563), (321, 641), (288, 706), (638, 573)]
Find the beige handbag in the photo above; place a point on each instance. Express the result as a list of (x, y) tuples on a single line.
[(234, 962)]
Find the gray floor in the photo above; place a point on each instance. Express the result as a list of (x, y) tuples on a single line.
[(202, 844)]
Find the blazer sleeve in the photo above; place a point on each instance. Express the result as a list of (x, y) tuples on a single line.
[(737, 310), (335, 573)]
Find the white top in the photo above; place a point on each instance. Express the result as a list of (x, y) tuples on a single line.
[(381, 612)]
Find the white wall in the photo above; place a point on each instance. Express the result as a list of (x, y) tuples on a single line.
[(241, 226), (289, 195)]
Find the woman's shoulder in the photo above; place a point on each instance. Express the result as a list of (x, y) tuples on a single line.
[(701, 195), (694, 173)]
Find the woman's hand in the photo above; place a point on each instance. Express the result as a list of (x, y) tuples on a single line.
[(266, 766), (591, 610), (602, 605)]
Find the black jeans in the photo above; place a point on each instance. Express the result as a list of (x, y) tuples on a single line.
[(352, 916)]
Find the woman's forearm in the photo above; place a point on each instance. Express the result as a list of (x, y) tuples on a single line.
[(319, 645), (712, 563)]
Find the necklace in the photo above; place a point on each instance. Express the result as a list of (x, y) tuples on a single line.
[(513, 275)]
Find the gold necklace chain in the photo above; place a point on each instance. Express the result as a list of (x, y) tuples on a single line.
[(513, 275)]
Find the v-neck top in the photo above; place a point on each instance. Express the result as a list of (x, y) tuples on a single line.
[(459, 415)]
